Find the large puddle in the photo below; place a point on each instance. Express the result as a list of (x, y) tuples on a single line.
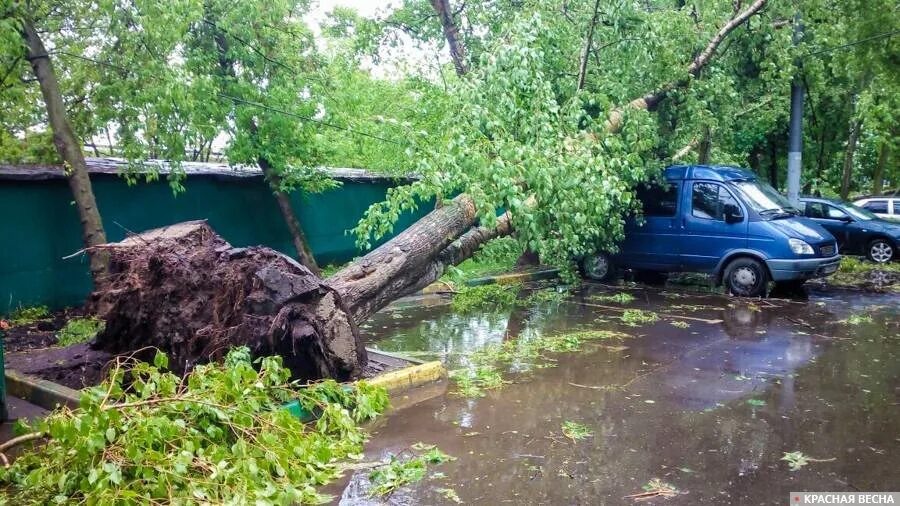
[(710, 408)]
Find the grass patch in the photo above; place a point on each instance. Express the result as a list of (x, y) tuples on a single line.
[(28, 315), (330, 269), (636, 317), (545, 296), (680, 324), (618, 298), (485, 297), (857, 319), (499, 255), (856, 272), (576, 431), (79, 330), (485, 369), (398, 473)]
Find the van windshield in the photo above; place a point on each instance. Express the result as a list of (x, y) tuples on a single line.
[(764, 199)]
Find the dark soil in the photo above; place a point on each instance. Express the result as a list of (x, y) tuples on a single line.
[(79, 366), (186, 291), (39, 334), (75, 366)]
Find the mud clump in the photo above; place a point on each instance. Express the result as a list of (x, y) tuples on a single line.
[(185, 290)]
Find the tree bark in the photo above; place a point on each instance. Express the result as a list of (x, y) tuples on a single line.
[(68, 147), (451, 33), (703, 151), (852, 139), (414, 258), (773, 164), (878, 177), (586, 50), (298, 238)]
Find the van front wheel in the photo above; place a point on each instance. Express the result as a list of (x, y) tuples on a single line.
[(746, 277), (598, 267)]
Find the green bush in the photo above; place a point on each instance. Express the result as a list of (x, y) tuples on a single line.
[(28, 315), (79, 330)]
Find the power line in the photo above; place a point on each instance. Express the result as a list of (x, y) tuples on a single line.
[(305, 118), (860, 41)]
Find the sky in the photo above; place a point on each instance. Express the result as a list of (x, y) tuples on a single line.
[(368, 8), (408, 57)]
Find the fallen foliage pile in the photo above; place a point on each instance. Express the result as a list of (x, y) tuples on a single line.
[(218, 435)]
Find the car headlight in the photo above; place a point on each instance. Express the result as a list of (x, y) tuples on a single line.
[(800, 247)]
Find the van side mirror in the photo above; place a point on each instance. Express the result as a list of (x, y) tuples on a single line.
[(733, 214)]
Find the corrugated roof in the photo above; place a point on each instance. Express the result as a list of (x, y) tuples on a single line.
[(115, 166)]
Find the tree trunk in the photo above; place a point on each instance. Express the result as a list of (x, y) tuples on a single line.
[(298, 238), (855, 125), (414, 258), (773, 164), (451, 33), (705, 147), (586, 50), (878, 177), (68, 147)]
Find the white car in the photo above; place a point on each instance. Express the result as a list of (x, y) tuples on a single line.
[(887, 208)]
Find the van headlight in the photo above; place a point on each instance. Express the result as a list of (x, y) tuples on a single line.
[(800, 247)]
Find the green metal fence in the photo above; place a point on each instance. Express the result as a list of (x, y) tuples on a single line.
[(39, 224)]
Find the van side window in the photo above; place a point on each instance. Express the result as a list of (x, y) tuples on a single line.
[(658, 200), (708, 201)]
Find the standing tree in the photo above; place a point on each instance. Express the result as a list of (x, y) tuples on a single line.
[(26, 18), (166, 79)]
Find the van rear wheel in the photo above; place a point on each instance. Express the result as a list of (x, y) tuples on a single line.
[(598, 267), (746, 277)]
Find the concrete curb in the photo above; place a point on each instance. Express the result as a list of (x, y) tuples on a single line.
[(401, 380), (50, 395), (514, 277), (40, 392)]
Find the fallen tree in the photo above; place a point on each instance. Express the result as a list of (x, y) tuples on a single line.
[(185, 290)]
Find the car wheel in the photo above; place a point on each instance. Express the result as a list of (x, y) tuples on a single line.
[(598, 267), (746, 277), (880, 251), (651, 277)]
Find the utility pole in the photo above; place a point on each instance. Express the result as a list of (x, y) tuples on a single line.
[(795, 141)]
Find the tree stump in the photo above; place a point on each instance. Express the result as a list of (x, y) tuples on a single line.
[(185, 290)]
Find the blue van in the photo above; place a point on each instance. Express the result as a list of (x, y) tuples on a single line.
[(722, 221)]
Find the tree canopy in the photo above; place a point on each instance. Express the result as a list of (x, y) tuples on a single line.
[(518, 123)]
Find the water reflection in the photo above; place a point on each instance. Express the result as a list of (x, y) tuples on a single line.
[(709, 408)]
